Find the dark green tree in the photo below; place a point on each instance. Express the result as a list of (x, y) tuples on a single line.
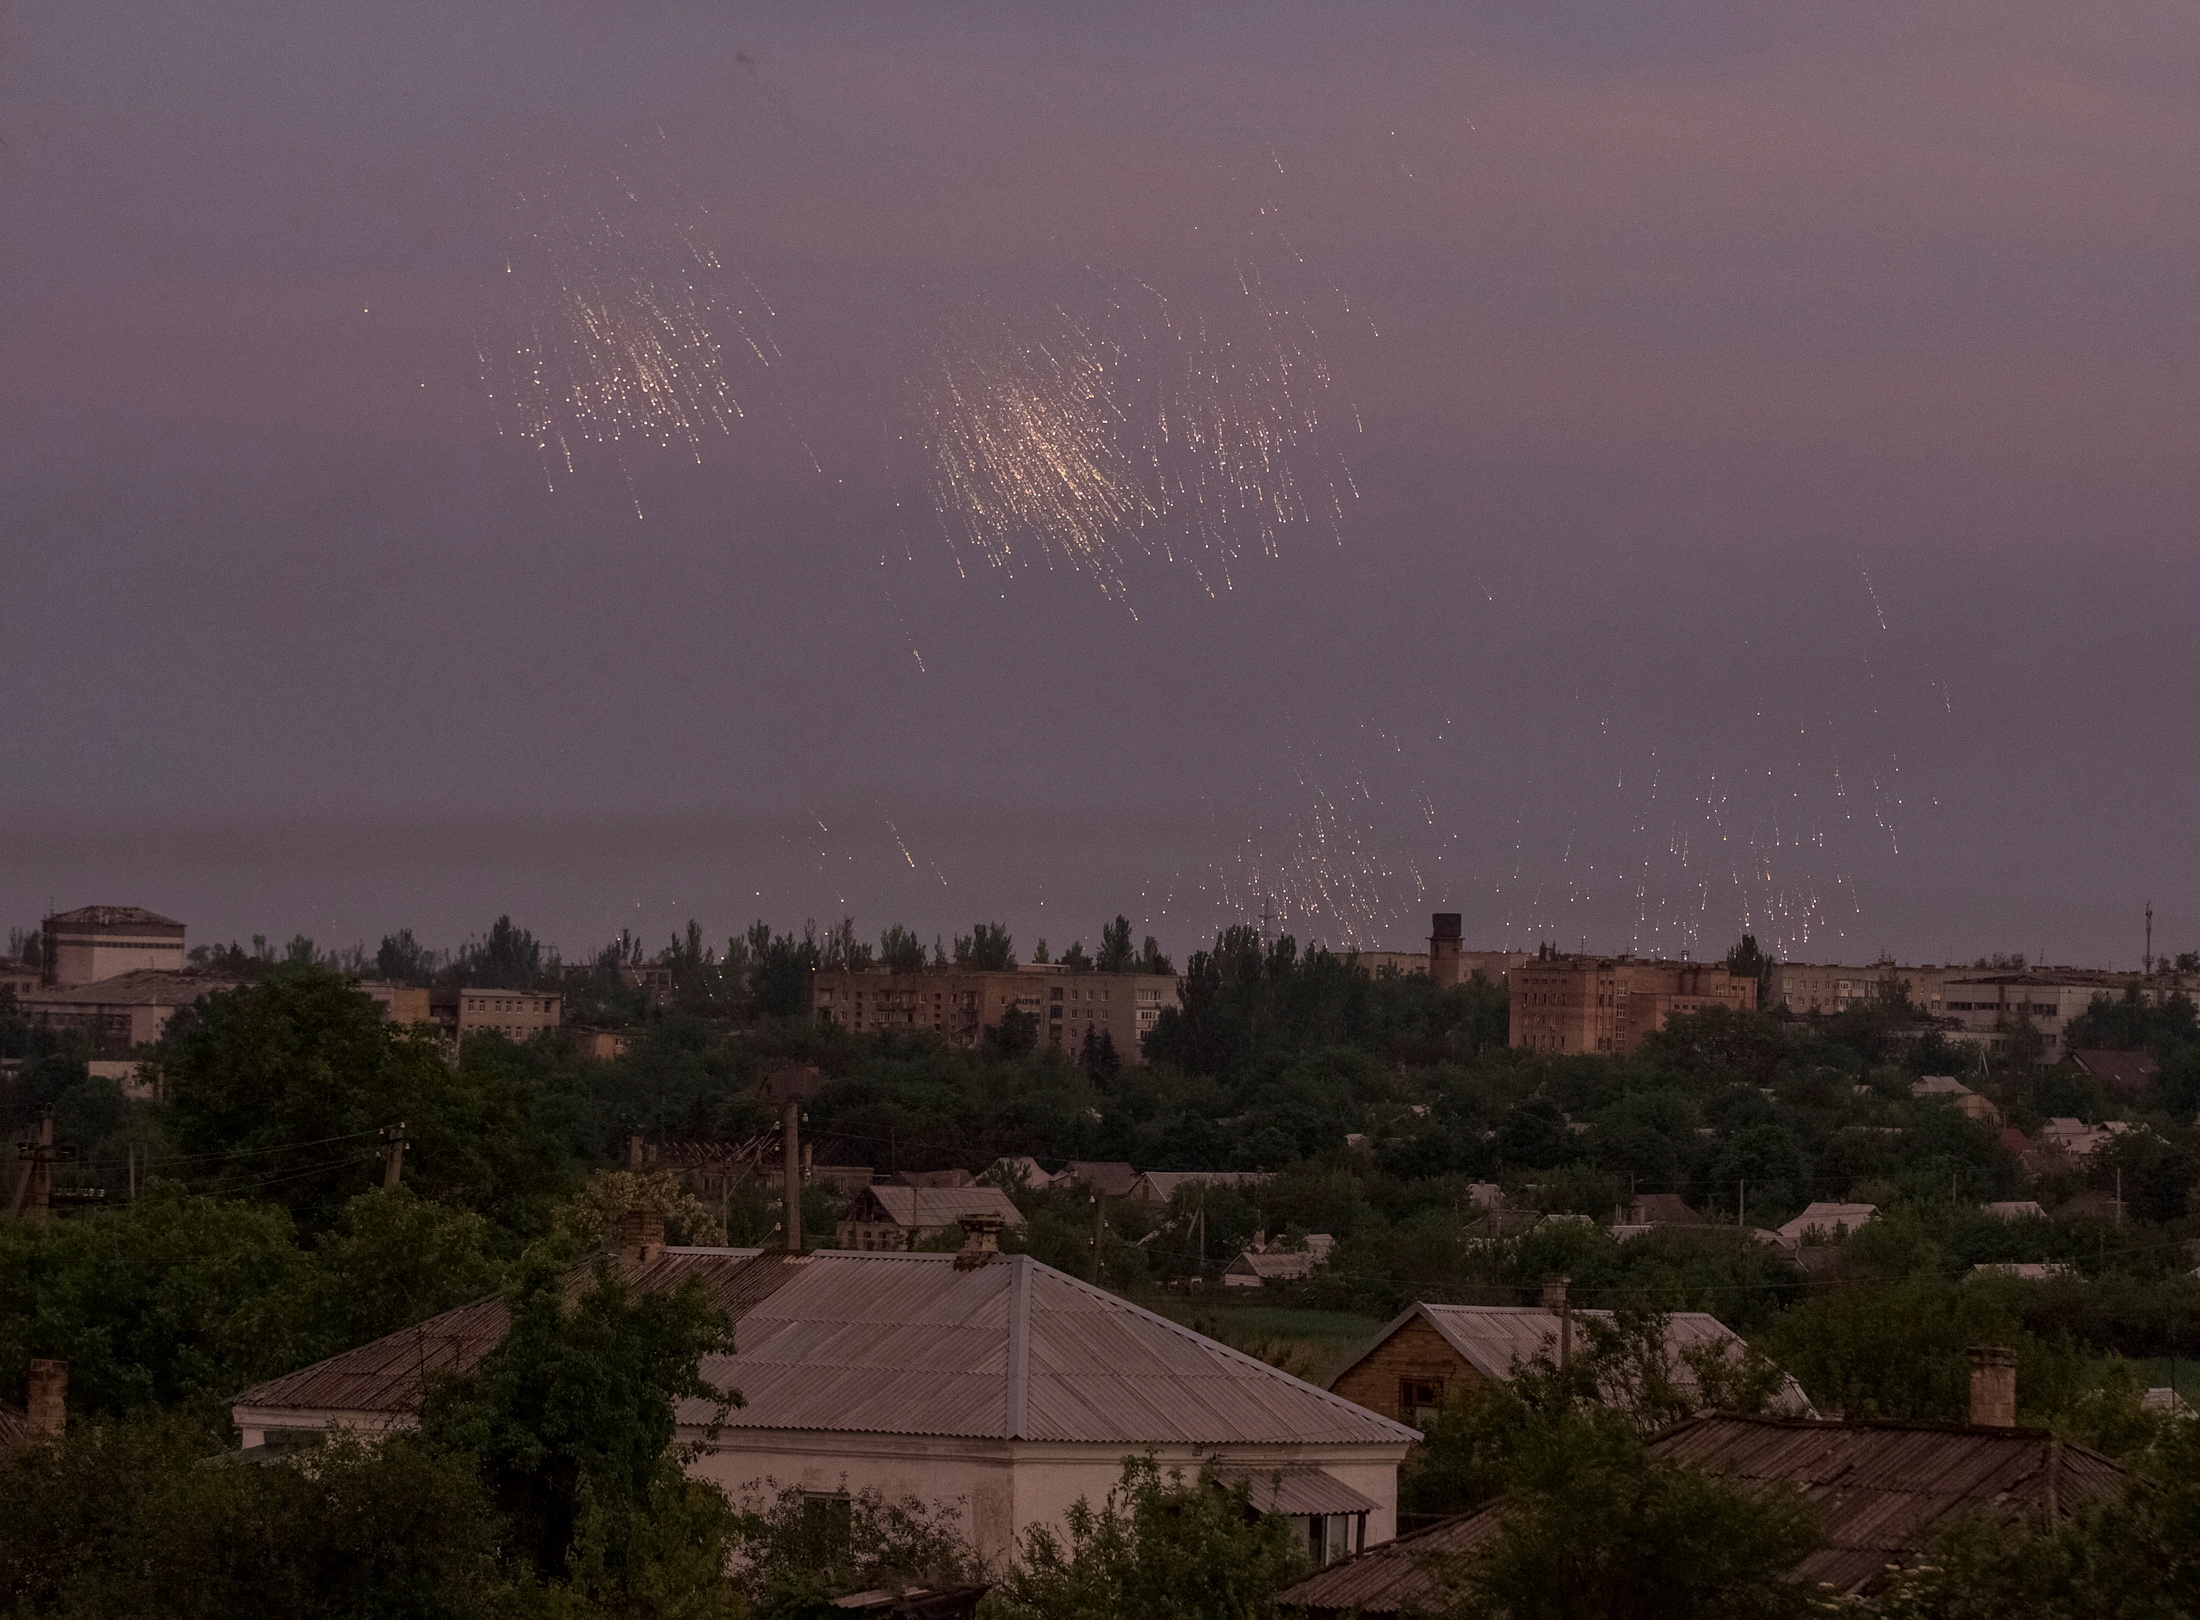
[(987, 948), (1116, 955), (508, 958), (901, 950), (570, 1419), (1162, 1546)]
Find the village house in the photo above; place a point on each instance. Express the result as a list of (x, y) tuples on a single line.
[(890, 1216), (1161, 1186), (1883, 1494), (983, 1380), (1825, 1223), (1262, 1264), (1428, 1353), (1946, 1087)]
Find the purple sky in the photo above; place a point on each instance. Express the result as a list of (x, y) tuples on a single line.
[(1770, 437)]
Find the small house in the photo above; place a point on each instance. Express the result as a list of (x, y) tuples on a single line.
[(895, 1218), (1262, 1264), (1825, 1223), (987, 1382), (1162, 1186), (1429, 1353), (1947, 1088)]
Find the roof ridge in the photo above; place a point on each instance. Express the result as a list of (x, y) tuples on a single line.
[(1178, 1328), (1017, 1418)]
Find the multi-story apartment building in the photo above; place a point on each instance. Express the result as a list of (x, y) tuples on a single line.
[(1821, 987), (1611, 1004), (1986, 1009), (518, 1015), (960, 1005), (103, 942)]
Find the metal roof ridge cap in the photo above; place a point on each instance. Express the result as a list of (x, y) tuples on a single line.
[(1017, 1417), (1471, 1355)]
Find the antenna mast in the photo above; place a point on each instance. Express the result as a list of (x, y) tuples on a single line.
[(2147, 961)]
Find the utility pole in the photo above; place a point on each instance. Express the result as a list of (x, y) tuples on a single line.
[(1099, 1233), (392, 1153), (34, 1187), (2146, 962), (791, 1129), (1741, 1204)]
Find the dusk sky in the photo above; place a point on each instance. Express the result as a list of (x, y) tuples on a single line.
[(1627, 471)]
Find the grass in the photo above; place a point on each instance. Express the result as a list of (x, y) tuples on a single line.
[(1306, 1343), (2156, 1374)]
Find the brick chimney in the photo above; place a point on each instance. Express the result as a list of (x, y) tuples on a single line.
[(641, 1235), (49, 1395), (1993, 1387), (981, 1241), (1554, 1299)]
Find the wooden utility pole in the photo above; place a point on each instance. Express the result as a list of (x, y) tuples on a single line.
[(1099, 1233), (393, 1153), (792, 1131), (34, 1187)]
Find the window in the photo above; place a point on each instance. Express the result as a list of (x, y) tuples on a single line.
[(1328, 1537), (1419, 1399)]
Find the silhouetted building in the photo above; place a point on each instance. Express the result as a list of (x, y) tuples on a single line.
[(1572, 1004), (103, 942)]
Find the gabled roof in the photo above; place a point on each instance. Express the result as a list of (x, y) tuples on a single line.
[(849, 1342), (922, 1207), (1940, 1085), (112, 917), (1159, 1186), (1882, 1493), (1826, 1218), (2125, 1071), (1111, 1178), (145, 987), (1494, 1339), (1284, 1265)]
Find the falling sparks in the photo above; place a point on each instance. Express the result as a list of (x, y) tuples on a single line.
[(620, 327), (1188, 428), (1026, 443)]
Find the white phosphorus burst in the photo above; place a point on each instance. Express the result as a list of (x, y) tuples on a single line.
[(620, 325), (1185, 428), (1025, 433)]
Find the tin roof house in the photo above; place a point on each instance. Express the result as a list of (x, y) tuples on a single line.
[(1882, 1494), (981, 1379)]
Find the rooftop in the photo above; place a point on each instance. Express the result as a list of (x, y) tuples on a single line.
[(1882, 1491), (901, 1344), (147, 987), (937, 1206), (1495, 1339), (110, 917)]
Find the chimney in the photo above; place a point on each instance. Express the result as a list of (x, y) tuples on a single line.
[(1993, 1387), (641, 1235), (981, 1241), (49, 1397), (1554, 1299)]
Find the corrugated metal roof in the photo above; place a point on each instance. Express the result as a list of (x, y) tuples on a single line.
[(907, 1344), (936, 1206), (1301, 1489), (15, 1425), (1419, 1572), (1494, 1339), (1882, 1492)]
